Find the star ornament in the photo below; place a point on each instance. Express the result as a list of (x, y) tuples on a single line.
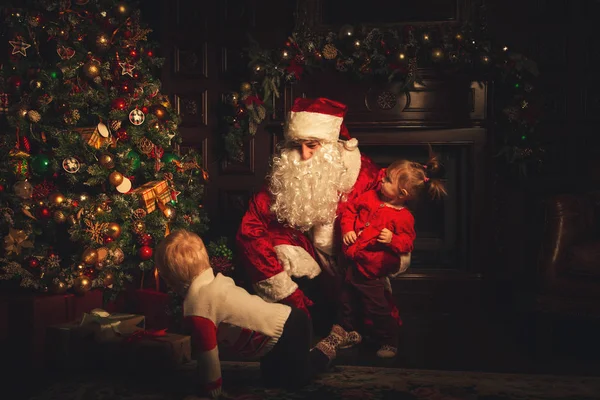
[(127, 69), (19, 47)]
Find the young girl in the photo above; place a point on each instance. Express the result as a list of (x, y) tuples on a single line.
[(378, 235), (220, 314)]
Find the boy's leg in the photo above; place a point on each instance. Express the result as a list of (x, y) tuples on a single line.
[(288, 364)]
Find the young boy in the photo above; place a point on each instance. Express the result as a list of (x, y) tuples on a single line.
[(219, 313)]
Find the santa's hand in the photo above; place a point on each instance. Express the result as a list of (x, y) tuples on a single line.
[(349, 238), (385, 236)]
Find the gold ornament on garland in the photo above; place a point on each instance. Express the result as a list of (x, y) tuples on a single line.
[(89, 256), (245, 87)]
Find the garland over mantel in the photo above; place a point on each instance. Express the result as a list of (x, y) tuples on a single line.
[(393, 55)]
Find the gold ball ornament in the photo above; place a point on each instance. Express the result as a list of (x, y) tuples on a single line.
[(108, 279), (115, 178), (89, 256), (58, 287), (245, 87), (169, 212), (79, 269), (107, 160), (92, 69), (56, 198), (113, 230), (160, 112), (82, 284), (59, 217)]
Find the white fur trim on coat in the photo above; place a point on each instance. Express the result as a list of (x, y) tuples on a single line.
[(296, 261), (276, 288), (304, 125), (404, 264)]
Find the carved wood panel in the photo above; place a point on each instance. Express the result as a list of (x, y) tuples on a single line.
[(192, 108), (192, 61)]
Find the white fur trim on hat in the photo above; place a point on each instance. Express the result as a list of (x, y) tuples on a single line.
[(304, 125)]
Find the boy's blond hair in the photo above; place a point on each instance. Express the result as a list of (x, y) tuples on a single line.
[(180, 257)]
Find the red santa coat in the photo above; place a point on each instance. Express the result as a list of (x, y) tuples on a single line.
[(272, 253), (367, 216)]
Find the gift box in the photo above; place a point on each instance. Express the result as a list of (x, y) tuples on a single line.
[(90, 340), (30, 314), (157, 350), (92, 137), (153, 194)]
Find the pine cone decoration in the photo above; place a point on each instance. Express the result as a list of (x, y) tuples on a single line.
[(329, 52)]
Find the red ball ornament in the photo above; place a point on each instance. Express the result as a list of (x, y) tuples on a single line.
[(127, 34), (1, 188), (44, 212), (119, 104), (108, 239), (133, 53), (145, 110), (145, 252), (75, 203), (150, 53), (33, 262), (145, 239)]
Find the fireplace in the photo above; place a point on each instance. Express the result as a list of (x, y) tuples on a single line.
[(441, 225), (453, 234), (448, 235)]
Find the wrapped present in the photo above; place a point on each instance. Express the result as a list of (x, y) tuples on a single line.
[(158, 349), (153, 194), (96, 136), (94, 340), (106, 326), (30, 314)]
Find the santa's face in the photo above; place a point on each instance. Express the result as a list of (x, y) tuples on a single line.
[(305, 182)]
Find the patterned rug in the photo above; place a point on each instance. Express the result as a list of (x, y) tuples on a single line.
[(242, 382)]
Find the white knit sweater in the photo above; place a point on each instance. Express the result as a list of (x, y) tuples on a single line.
[(221, 313)]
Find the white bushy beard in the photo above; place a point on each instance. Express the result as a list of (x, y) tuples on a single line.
[(306, 193)]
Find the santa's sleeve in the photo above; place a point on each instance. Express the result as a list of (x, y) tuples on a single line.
[(268, 277), (206, 351)]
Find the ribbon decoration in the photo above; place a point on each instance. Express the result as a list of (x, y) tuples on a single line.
[(107, 326), (16, 240), (137, 336)]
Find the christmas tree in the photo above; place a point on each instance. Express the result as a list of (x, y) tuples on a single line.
[(90, 175)]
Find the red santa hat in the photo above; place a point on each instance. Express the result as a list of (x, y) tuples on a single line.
[(321, 119)]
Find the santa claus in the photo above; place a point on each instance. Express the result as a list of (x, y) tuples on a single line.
[(289, 232)]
